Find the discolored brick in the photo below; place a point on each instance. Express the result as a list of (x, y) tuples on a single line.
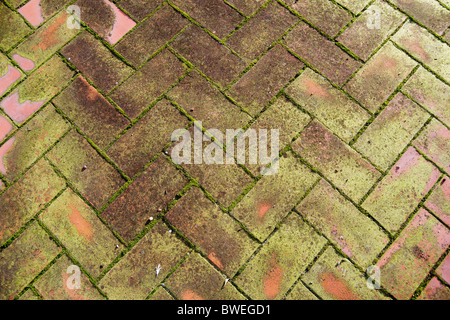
[(397, 195), (150, 192), (256, 88), (417, 249), (161, 294), (6, 128), (22, 261), (247, 7), (148, 83), (281, 260), (321, 53), (29, 295), (300, 292), (444, 269), (439, 201), (134, 277), (346, 169), (139, 9), (9, 75), (355, 6), (13, 27), (435, 290), (38, 11)]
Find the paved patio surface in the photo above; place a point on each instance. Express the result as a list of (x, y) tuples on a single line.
[(93, 204)]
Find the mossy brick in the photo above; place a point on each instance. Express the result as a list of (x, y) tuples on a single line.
[(29, 295), (30, 142), (434, 141), (91, 112), (212, 231), (342, 165), (330, 105), (340, 221), (444, 269), (354, 6), (2, 186), (139, 9), (9, 75), (430, 13), (333, 277), (43, 43), (31, 94), (212, 58), (257, 87), (149, 194), (14, 28), (16, 3), (391, 131), (207, 104), (79, 229), (214, 15), (108, 21), (53, 284), (21, 261), (196, 279), (325, 15), (435, 290), (148, 83), (37, 12), (399, 193), (380, 76), (300, 292), (281, 260), (409, 259), (96, 62), (134, 276), (261, 31), (6, 128), (439, 201), (22, 200), (430, 92), (321, 53), (247, 7), (274, 196), (362, 38), (424, 47), (161, 295), (86, 170), (146, 138), (137, 47)]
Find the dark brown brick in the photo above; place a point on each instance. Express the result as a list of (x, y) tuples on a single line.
[(139, 9)]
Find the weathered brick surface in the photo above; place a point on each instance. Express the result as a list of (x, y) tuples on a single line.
[(37, 12), (354, 5), (439, 203), (9, 75), (13, 28), (139, 9), (444, 269), (435, 290), (300, 292), (161, 294)]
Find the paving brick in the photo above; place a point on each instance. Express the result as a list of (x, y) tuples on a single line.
[(137, 47), (150, 192), (341, 222), (380, 76), (416, 250), (38, 11), (281, 260), (96, 179), (398, 194), (274, 196), (331, 106), (363, 39), (444, 269), (91, 112), (148, 83), (247, 7), (212, 58), (96, 62), (355, 6), (391, 131), (9, 75), (24, 259), (16, 3), (424, 88), (334, 278), (134, 149), (133, 277), (30, 142), (215, 233), (300, 292), (139, 9), (435, 290), (78, 228), (207, 104), (31, 94), (22, 200), (424, 47), (6, 128), (44, 42), (53, 284), (321, 53), (430, 13), (13, 28), (439, 203), (256, 88), (323, 14), (346, 169), (195, 279), (161, 294), (434, 139), (267, 26), (215, 15), (29, 295)]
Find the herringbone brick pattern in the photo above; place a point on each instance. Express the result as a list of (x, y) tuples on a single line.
[(87, 178)]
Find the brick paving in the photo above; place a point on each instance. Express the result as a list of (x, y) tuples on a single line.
[(359, 89)]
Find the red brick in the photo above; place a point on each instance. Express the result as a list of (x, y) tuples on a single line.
[(439, 201), (435, 290), (444, 269), (38, 11)]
